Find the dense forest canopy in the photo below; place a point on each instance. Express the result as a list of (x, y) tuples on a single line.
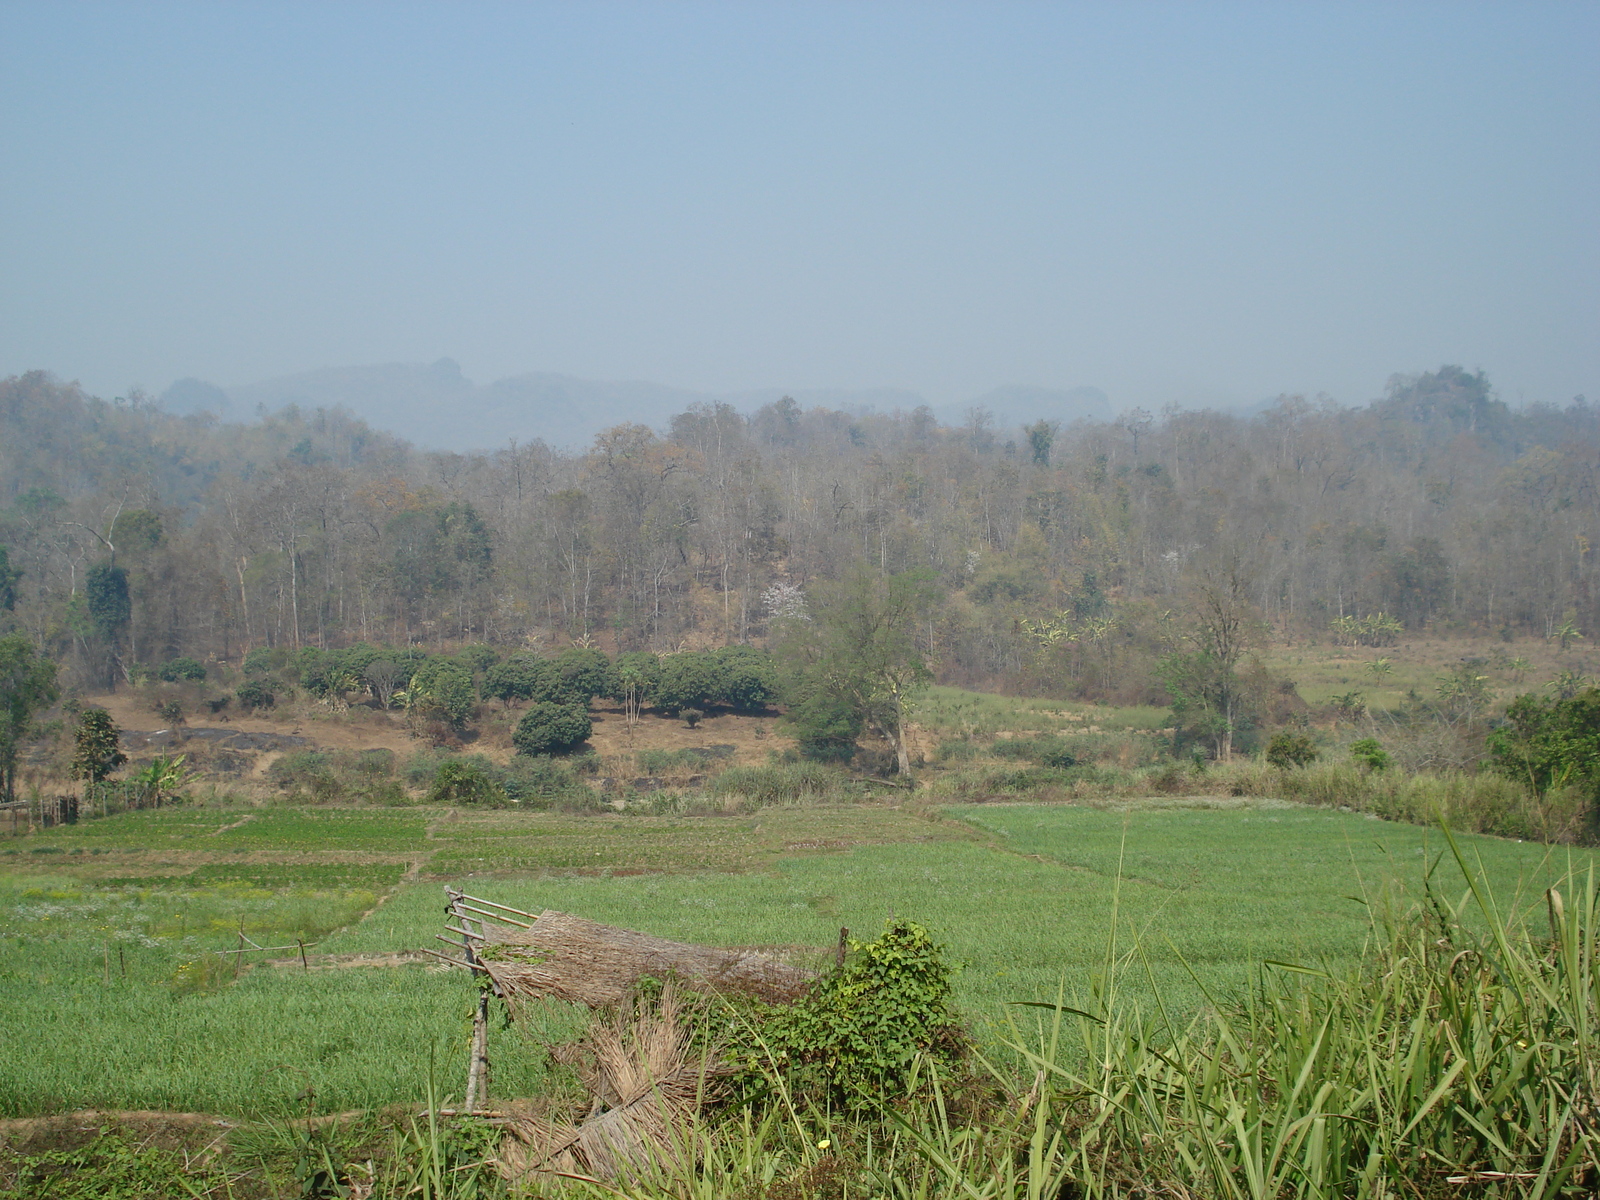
[(137, 535)]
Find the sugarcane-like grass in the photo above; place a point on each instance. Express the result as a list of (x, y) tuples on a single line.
[(1458, 1057)]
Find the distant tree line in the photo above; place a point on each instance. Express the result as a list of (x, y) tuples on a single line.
[(131, 538)]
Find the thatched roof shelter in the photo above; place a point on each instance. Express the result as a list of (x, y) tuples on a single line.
[(558, 955), (636, 1062)]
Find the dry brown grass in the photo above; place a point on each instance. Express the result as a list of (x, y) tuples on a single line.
[(753, 738), (1323, 670), (575, 959), (646, 1084)]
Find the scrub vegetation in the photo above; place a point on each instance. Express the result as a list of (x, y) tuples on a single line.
[(1258, 868)]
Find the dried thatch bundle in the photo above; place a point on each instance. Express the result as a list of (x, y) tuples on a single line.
[(575, 959), (646, 1082)]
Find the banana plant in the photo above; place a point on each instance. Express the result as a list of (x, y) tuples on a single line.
[(163, 779)]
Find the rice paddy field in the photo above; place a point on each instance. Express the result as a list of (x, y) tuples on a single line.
[(113, 994)]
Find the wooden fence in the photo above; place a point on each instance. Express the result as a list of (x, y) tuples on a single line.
[(38, 812), (100, 800)]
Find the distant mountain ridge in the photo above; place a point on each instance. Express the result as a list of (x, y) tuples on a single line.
[(436, 406)]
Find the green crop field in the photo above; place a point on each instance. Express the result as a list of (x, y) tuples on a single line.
[(112, 995)]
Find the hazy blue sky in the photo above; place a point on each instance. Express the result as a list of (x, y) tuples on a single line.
[(1202, 203)]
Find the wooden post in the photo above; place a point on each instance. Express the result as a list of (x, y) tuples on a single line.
[(844, 939), (301, 943), (478, 1068), (478, 1064)]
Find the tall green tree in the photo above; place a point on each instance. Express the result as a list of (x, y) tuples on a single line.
[(1550, 744), (1209, 696), (110, 609), (97, 747), (859, 646), (110, 605), (27, 688), (9, 578), (1041, 436)]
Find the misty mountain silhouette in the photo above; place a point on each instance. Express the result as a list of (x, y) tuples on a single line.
[(436, 406)]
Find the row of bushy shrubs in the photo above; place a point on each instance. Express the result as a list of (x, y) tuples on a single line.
[(1358, 778), (174, 670), (1477, 802), (558, 689), (742, 678), (377, 777)]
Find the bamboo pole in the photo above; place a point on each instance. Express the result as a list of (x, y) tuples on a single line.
[(478, 1066), (497, 917), (494, 904), (254, 949)]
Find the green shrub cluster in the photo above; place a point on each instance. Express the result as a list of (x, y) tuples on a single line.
[(853, 1039), (1552, 745), (477, 657), (1043, 751), (1288, 750), (572, 678), (1369, 752), (742, 678), (177, 670), (265, 660), (1127, 750), (336, 672), (991, 782), (339, 776), (442, 689), (548, 728), (527, 783), (464, 781), (824, 725), (373, 777), (253, 694), (690, 758)]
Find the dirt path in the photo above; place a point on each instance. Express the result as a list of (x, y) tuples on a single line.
[(345, 962)]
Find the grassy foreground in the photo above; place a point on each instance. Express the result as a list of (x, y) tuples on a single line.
[(111, 995)]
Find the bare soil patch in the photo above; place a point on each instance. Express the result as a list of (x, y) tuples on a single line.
[(168, 1130), (345, 962), (753, 737), (238, 749)]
